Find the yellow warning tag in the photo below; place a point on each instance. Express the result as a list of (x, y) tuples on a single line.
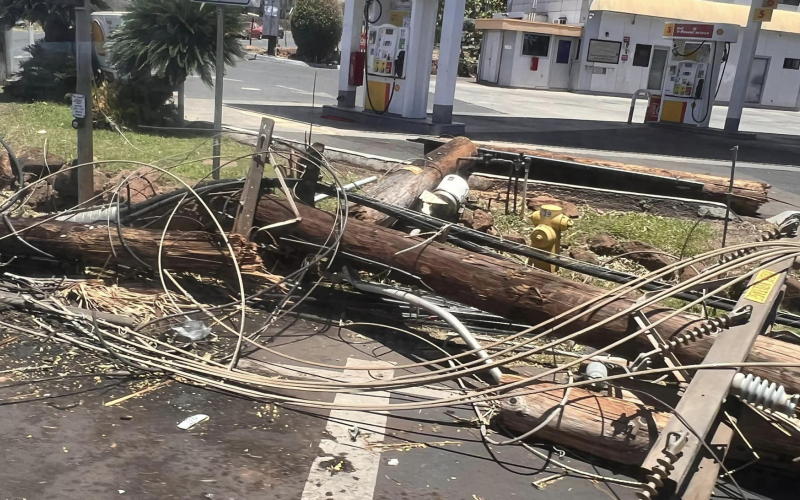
[(765, 282), (413, 169)]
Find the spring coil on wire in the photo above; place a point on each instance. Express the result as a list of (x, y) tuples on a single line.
[(665, 465), (762, 392), (709, 327), (706, 328), (773, 234)]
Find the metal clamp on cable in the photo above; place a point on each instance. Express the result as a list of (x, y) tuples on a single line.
[(655, 479)]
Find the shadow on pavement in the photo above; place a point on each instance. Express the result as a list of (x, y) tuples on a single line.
[(783, 149)]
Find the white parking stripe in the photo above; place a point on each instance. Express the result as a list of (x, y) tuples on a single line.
[(349, 468), (346, 376)]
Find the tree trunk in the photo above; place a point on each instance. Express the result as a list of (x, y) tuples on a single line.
[(748, 196), (512, 290), (403, 186), (607, 427), (183, 250)]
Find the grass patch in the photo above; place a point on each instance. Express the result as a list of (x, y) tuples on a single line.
[(30, 124), (665, 233)]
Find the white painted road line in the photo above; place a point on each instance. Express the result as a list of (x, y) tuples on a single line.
[(356, 477), (251, 88), (348, 376)]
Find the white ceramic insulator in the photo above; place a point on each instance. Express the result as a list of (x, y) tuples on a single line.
[(762, 392)]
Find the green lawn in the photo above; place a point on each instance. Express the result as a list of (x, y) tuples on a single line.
[(666, 233), (30, 125)]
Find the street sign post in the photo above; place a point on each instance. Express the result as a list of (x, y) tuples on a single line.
[(82, 99), (218, 82)]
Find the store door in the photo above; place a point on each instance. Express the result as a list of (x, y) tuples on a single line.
[(490, 57), (507, 58), (560, 69), (657, 66)]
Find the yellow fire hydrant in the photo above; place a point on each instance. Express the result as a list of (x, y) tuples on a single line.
[(550, 222)]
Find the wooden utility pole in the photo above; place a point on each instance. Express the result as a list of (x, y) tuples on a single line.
[(622, 427), (514, 291), (72, 241)]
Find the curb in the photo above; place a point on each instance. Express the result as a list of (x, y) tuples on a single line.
[(260, 57)]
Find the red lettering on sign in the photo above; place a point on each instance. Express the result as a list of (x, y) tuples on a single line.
[(694, 30)]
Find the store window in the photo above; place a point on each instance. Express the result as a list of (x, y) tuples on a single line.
[(641, 56), (536, 45)]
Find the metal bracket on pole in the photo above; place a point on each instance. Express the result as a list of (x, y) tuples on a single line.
[(700, 405), (658, 341), (252, 184), (306, 189)]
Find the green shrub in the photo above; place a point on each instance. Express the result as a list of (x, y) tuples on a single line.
[(173, 39), (317, 29), (48, 75)]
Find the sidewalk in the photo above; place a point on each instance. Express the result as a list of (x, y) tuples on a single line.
[(329, 132)]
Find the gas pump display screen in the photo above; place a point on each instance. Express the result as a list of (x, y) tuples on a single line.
[(604, 51)]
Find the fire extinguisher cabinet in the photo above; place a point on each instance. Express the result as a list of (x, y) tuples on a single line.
[(652, 109)]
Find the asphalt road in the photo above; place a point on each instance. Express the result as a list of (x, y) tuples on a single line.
[(564, 121)]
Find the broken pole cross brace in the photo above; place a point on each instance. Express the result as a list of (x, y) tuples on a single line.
[(252, 185)]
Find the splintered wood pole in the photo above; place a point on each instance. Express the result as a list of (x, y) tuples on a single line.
[(252, 184), (623, 428), (403, 186)]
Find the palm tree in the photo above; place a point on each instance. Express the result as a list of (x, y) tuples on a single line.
[(172, 39), (56, 19)]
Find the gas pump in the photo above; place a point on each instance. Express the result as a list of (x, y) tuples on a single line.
[(387, 44), (693, 71)]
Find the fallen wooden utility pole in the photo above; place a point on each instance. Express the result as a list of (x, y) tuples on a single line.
[(89, 243), (624, 429), (747, 198), (403, 186), (514, 291)]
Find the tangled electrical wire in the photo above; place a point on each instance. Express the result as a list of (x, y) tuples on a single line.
[(140, 350)]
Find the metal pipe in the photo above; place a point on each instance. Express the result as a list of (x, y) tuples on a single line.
[(640, 92), (525, 188), (218, 83), (348, 187), (451, 320), (735, 150)]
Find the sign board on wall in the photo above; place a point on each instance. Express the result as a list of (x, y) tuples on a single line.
[(694, 31), (240, 3), (604, 51), (762, 15)]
